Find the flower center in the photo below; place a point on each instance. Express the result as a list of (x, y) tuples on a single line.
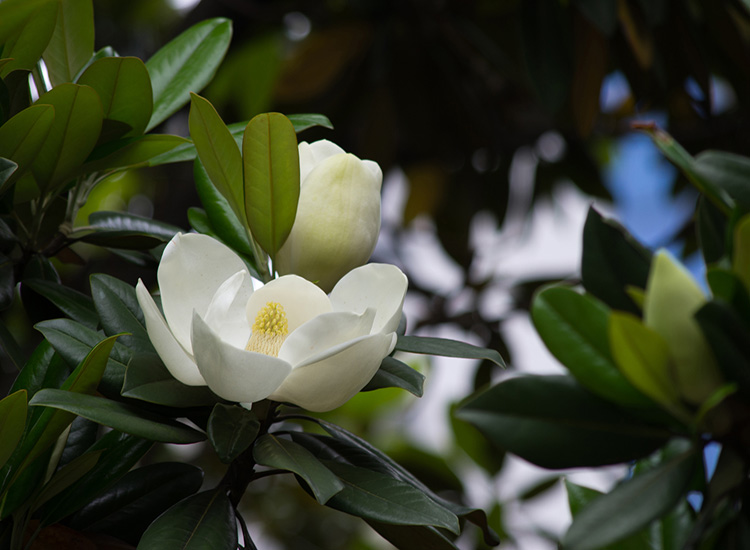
[(269, 331)]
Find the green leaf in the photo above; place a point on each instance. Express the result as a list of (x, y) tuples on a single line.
[(276, 452), (119, 311), (231, 430), (22, 137), (727, 287), (12, 350), (222, 219), (553, 422), (728, 172), (741, 251), (123, 221), (81, 435), (412, 537), (127, 508), (14, 13), (132, 152), (118, 416), (447, 348), (186, 151), (200, 522), (579, 497), (44, 369), (379, 497), (643, 357), (271, 174), (119, 453), (711, 226), (124, 87), (66, 476), (395, 374), (574, 328), (12, 423), (218, 152), (72, 136), (50, 424), (702, 177), (149, 380), (7, 282), (727, 335), (612, 260), (72, 42), (7, 168), (72, 303), (126, 240), (73, 341), (186, 64), (633, 505), (30, 39)]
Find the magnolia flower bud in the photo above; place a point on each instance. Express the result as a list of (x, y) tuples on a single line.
[(338, 215)]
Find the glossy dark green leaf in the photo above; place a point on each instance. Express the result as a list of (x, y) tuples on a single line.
[(10, 346), (447, 348), (579, 497), (200, 522), (358, 452), (50, 423), (7, 281), (573, 326), (66, 476), (632, 505), (186, 64), (119, 311), (132, 152), (375, 496), (276, 452), (82, 435), (729, 339), (124, 87), (118, 416), (44, 369), (123, 221), (72, 42), (728, 172), (222, 219), (304, 121), (22, 137), (12, 423), (475, 445), (7, 168), (72, 136), (231, 430), (73, 341), (741, 250), (30, 39), (612, 260), (127, 508), (412, 537), (395, 374), (711, 226), (726, 286), (149, 380), (702, 178), (553, 422), (218, 152), (72, 303), (271, 179), (127, 240), (119, 453)]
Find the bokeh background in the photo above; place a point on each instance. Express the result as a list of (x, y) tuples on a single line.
[(497, 123)]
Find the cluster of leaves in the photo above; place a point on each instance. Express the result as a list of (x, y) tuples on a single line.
[(87, 118), (622, 400)]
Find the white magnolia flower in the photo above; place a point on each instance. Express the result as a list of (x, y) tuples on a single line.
[(338, 215), (287, 341)]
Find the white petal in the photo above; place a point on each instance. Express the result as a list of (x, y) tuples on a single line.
[(330, 383), (301, 300), (375, 172), (234, 373), (379, 286), (226, 312), (318, 338), (312, 154), (191, 270), (179, 363)]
